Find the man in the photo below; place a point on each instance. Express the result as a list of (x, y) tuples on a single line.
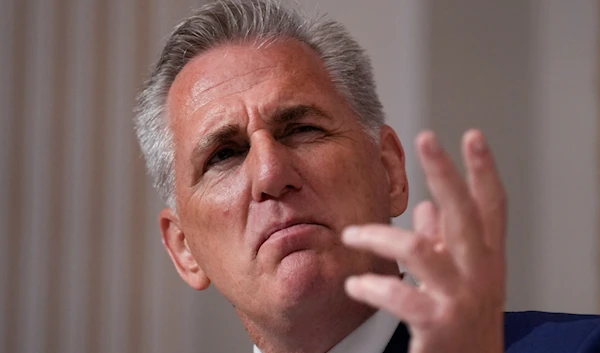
[(264, 135)]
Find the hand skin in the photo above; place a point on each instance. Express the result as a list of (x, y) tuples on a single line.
[(456, 251)]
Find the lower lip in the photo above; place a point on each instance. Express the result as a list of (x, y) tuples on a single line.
[(295, 230), (294, 238)]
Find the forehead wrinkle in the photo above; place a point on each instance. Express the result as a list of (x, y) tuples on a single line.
[(199, 87), (200, 100)]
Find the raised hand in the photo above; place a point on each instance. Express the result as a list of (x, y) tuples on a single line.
[(456, 251)]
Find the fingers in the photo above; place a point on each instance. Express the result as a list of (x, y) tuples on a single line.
[(390, 293), (418, 253), (461, 224), (485, 187), (385, 241), (425, 220), (451, 251)]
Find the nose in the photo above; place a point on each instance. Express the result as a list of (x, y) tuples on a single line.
[(271, 168)]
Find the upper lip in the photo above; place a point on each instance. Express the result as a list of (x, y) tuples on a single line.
[(277, 226)]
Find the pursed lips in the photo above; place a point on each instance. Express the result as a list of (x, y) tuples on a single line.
[(273, 229)]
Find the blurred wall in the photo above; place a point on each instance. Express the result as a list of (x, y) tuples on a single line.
[(82, 267), (81, 262), (526, 72)]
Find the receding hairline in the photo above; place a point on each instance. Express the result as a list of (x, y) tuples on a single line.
[(288, 46), (252, 44)]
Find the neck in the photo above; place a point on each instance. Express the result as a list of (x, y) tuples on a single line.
[(309, 333)]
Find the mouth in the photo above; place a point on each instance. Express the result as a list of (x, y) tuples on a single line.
[(283, 230)]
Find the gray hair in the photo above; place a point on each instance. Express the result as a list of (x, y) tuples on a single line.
[(238, 21)]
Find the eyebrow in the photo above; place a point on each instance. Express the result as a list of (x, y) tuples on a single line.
[(227, 132), (222, 135), (297, 112)]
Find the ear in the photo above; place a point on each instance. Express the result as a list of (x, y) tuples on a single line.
[(392, 157), (176, 244)]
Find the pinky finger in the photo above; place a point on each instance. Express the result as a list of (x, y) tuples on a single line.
[(406, 302)]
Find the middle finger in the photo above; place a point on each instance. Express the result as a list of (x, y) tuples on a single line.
[(460, 223)]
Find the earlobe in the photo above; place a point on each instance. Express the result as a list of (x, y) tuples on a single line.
[(393, 159), (177, 247)]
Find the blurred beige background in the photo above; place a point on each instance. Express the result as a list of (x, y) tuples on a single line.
[(81, 264)]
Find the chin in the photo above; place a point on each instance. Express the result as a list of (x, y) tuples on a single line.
[(303, 278)]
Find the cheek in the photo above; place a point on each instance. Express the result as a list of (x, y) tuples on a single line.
[(356, 171), (219, 200), (215, 217), (352, 183)]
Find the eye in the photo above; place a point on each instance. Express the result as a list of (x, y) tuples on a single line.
[(304, 128), (222, 155), (300, 134)]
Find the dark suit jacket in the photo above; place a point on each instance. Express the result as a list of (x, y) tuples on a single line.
[(534, 332)]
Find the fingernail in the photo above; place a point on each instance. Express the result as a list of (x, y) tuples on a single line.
[(479, 146), (350, 234)]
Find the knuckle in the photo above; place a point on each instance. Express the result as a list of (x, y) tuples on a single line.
[(472, 220), (384, 291), (416, 245), (449, 313), (390, 291), (443, 169), (427, 322), (468, 210), (442, 316), (391, 294)]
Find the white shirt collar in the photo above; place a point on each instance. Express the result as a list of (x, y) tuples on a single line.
[(370, 337)]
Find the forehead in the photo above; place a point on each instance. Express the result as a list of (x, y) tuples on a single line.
[(279, 71)]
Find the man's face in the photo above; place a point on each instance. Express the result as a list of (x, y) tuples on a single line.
[(270, 165)]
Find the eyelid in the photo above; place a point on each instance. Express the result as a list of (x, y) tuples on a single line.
[(292, 127), (216, 152), (237, 150), (240, 147)]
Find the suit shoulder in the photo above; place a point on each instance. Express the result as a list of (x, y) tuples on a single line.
[(535, 331)]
